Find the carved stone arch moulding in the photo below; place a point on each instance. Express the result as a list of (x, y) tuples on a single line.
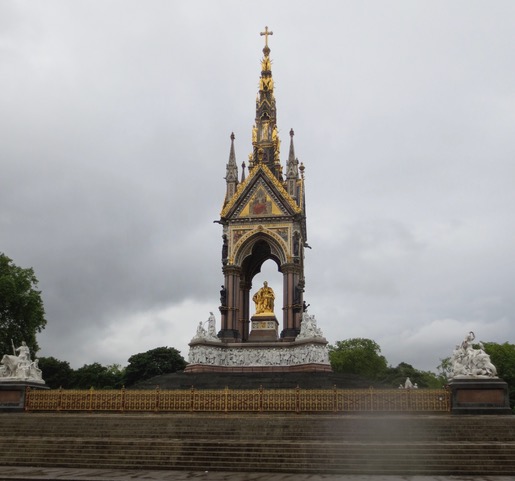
[(245, 245)]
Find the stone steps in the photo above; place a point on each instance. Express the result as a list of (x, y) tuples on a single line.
[(336, 430), (431, 445), (366, 466)]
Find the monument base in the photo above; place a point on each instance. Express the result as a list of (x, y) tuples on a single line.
[(306, 355), (196, 368), (479, 396), (229, 335), (13, 394), (264, 328)]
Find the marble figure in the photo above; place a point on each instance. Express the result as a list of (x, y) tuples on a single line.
[(20, 367), (308, 328), (468, 361)]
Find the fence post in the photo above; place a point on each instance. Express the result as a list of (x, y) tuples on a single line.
[(157, 398), (123, 399), (297, 399), (260, 398), (90, 398), (335, 399), (192, 400), (27, 399), (226, 395)]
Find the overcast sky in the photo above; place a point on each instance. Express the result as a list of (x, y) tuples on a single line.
[(115, 118)]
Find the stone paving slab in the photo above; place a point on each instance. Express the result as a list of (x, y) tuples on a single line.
[(63, 474)]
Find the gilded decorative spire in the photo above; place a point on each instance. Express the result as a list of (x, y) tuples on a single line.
[(265, 140), (266, 49)]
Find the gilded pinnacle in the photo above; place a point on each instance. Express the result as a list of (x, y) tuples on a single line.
[(266, 33)]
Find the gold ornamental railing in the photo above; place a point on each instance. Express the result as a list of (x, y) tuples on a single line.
[(240, 400)]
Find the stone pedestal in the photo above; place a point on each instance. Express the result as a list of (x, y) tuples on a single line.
[(307, 355), (479, 396), (263, 352), (12, 394), (264, 328)]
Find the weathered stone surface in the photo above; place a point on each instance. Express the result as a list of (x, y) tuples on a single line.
[(409, 445), (480, 396)]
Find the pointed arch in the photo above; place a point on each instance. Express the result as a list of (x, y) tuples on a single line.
[(262, 244)]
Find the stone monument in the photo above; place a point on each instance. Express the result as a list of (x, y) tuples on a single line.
[(17, 372), (264, 324), (475, 386), (307, 353), (263, 218)]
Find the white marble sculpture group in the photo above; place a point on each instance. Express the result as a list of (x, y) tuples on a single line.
[(20, 367), (301, 353), (209, 334), (408, 384), (309, 329), (470, 362)]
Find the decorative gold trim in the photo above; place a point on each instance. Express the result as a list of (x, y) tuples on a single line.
[(242, 186), (259, 230)]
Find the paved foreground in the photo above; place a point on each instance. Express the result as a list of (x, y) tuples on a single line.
[(63, 474)]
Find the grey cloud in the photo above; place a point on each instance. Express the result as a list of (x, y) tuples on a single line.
[(114, 137)]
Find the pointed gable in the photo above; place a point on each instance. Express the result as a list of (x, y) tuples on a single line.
[(260, 195), (261, 203)]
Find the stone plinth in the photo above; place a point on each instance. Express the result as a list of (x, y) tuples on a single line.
[(263, 352), (306, 355), (263, 328), (479, 396), (13, 393)]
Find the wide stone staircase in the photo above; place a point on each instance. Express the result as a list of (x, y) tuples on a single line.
[(346, 444)]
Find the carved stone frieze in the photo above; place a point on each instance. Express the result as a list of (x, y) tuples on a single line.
[(228, 356)]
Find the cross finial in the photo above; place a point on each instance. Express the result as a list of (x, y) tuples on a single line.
[(266, 33)]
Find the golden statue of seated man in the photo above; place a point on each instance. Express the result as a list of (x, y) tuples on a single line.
[(264, 299)]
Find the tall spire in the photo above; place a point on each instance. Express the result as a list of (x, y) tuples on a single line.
[(292, 169), (265, 139), (231, 176), (291, 156)]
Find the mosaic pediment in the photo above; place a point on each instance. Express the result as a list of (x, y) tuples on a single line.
[(261, 204)]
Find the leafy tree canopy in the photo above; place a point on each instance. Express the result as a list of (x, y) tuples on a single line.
[(56, 373), (22, 314), (358, 356), (396, 376), (161, 360), (445, 369), (97, 376), (503, 358)]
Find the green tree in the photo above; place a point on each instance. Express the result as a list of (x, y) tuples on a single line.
[(161, 360), (22, 315), (444, 370), (56, 373), (97, 376), (503, 358), (358, 356), (396, 376)]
